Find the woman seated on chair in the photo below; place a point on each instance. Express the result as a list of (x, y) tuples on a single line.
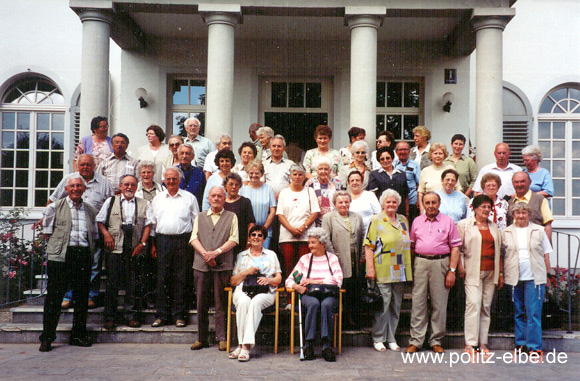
[(312, 270), (256, 276)]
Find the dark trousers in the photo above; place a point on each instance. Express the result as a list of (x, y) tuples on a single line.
[(203, 285), (326, 308), (75, 273), (172, 263), (413, 213)]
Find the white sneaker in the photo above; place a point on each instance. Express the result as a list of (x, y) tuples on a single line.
[(394, 347), (288, 307), (380, 347)]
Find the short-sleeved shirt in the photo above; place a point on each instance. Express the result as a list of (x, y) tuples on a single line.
[(267, 262), (174, 215), (262, 200), (434, 236), (296, 207), (505, 175), (201, 147), (114, 168), (277, 174), (453, 205), (98, 190), (467, 170), (413, 173), (332, 155)]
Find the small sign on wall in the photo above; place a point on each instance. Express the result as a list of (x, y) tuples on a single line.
[(451, 76)]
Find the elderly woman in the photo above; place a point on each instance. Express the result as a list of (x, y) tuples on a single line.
[(541, 179), (174, 142), (247, 152), (359, 150), (387, 177), (317, 267), (384, 139), (239, 205), (481, 253), (262, 197), (464, 165), (346, 237), (98, 144), (147, 188), (354, 134), (363, 202), (324, 187), (263, 265), (430, 178), (490, 183), (388, 257), (297, 211), (225, 160), (265, 134), (453, 203), (420, 154), (155, 151), (322, 135), (526, 264)]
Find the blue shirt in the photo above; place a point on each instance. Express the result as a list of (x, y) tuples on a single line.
[(262, 200), (193, 181), (541, 181), (453, 205), (412, 171)]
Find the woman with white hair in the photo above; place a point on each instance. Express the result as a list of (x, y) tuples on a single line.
[(318, 267), (147, 188), (388, 234), (265, 134), (359, 150), (541, 179), (324, 187)]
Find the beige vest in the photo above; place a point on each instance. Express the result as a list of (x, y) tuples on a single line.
[(59, 239), (511, 265), (536, 212), (115, 222), (212, 237)]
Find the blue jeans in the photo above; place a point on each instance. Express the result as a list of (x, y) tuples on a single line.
[(528, 299)]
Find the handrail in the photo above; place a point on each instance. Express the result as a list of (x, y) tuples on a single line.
[(571, 269)]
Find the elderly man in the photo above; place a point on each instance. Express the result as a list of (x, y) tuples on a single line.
[(119, 163), (125, 223), (540, 213), (193, 179), (277, 168), (224, 141), (253, 132), (174, 211), (503, 168), (412, 170), (435, 243), (201, 145), (69, 224), (98, 189), (214, 236)]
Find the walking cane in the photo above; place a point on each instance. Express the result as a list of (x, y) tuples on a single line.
[(297, 278)]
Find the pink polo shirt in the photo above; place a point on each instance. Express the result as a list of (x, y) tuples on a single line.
[(436, 236)]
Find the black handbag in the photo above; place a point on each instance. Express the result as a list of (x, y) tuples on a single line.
[(372, 299), (321, 291), (252, 287)]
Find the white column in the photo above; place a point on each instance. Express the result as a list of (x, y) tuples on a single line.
[(489, 86), (94, 66), (363, 73), (220, 73)]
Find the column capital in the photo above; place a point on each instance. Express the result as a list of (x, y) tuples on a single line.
[(228, 14), (370, 21), (96, 15), (483, 18)]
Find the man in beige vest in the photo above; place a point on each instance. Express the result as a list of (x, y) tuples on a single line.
[(125, 222), (214, 236), (69, 225)]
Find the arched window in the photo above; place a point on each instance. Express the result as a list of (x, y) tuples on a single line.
[(32, 141), (559, 139)]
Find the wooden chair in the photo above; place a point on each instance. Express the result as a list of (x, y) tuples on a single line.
[(337, 320), (273, 310)]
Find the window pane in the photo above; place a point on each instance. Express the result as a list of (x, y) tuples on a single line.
[(23, 140), (23, 121), (314, 95), (558, 149), (380, 123), (6, 179), (410, 122), (576, 207), (576, 168), (546, 150), (575, 130), (197, 93), (560, 108), (8, 139), (178, 120), (381, 94), (22, 179), (576, 149), (296, 95), (394, 124), (559, 188), (6, 197), (57, 140), (55, 178), (42, 160), (558, 169), (546, 107), (543, 130), (58, 122), (7, 159), (40, 198), (558, 206), (21, 198), (56, 161), (574, 107), (574, 93), (411, 94), (576, 188), (22, 159), (41, 180), (43, 121), (180, 92), (559, 130), (279, 94), (42, 140), (558, 95), (8, 120), (394, 94)]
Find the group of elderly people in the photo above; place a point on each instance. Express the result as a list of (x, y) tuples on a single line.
[(410, 219)]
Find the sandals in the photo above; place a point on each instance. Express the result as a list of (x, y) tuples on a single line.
[(394, 347), (244, 355), (235, 353), (379, 347)]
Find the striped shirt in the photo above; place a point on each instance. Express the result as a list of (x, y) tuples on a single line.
[(79, 233), (262, 200), (98, 190), (319, 270), (113, 168)]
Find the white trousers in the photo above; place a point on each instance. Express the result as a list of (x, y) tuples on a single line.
[(477, 309), (249, 314)]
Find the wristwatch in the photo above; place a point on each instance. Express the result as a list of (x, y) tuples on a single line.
[(219, 250), (452, 270), (144, 243)]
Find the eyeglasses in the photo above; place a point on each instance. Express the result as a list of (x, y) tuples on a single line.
[(174, 144), (360, 152), (259, 235), (386, 158)]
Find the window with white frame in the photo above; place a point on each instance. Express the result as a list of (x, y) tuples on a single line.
[(559, 139), (187, 101), (399, 105), (32, 140)]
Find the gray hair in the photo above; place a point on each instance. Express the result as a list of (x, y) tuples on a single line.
[(357, 145), (218, 140), (297, 168), (255, 163), (145, 164), (74, 176), (321, 160), (281, 138), (194, 119), (534, 151), (520, 206), (179, 137), (186, 145), (390, 193), (321, 235), (176, 169), (268, 131), (341, 194)]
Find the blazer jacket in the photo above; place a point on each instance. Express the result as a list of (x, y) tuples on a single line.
[(471, 249), (334, 224)]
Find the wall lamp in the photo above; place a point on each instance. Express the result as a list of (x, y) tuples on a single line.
[(448, 99), (141, 93)]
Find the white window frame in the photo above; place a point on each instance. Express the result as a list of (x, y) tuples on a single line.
[(192, 111)]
